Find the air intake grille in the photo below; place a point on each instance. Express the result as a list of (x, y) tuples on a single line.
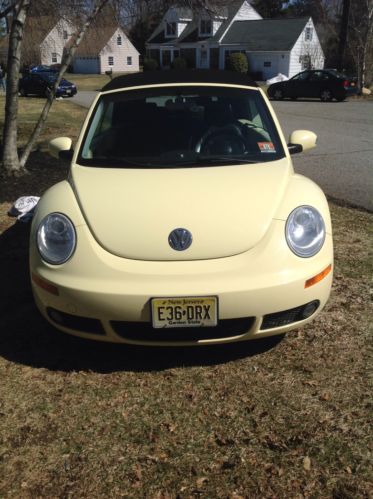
[(289, 316), (142, 331)]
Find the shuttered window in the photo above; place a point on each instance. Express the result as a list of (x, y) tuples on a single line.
[(111, 60)]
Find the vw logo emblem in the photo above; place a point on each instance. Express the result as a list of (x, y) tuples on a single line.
[(180, 239)]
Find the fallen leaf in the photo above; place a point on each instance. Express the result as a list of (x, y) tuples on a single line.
[(307, 463), (201, 481)]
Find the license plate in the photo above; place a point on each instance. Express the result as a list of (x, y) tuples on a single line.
[(184, 312), (68, 91)]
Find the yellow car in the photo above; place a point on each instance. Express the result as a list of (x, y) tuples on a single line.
[(182, 221)]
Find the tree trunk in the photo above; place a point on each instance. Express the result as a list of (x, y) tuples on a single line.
[(64, 65), (10, 154), (343, 34)]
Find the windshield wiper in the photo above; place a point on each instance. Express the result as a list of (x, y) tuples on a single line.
[(112, 162), (213, 160)]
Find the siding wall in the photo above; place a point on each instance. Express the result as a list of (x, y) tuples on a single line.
[(120, 54), (257, 62), (55, 43), (247, 13), (303, 47)]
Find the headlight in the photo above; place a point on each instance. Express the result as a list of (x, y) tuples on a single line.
[(305, 231), (56, 238)]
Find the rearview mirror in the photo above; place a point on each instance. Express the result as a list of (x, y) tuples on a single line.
[(60, 148), (301, 140)]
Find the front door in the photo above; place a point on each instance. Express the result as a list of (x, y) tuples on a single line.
[(166, 58), (204, 58)]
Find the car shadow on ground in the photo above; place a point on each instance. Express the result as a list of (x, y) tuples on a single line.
[(26, 338)]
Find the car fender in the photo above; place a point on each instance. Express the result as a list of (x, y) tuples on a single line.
[(302, 191), (61, 199)]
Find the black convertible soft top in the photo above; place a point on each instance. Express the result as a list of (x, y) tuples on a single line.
[(174, 76)]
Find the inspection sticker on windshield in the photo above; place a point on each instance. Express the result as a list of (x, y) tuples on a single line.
[(266, 147)]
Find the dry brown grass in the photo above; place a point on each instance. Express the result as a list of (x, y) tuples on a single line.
[(89, 82), (81, 419)]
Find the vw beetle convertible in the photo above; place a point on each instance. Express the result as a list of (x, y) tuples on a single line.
[(182, 221)]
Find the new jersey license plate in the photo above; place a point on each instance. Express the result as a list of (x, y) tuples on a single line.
[(185, 312)]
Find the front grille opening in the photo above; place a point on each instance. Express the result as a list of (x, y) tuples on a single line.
[(143, 331), (81, 324), (286, 317)]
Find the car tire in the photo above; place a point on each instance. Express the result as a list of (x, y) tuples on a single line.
[(22, 92), (326, 95), (278, 94)]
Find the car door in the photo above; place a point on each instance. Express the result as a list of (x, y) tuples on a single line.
[(35, 85), (297, 86), (314, 84)]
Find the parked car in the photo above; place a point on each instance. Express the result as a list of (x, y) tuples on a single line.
[(182, 221), (325, 85), (41, 84)]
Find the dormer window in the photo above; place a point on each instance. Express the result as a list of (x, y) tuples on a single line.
[(206, 27), (119, 40), (171, 29)]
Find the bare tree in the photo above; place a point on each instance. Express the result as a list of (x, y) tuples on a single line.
[(361, 38), (10, 154), (67, 59), (12, 164)]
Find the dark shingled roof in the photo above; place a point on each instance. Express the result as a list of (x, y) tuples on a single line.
[(191, 32), (266, 34), (173, 76)]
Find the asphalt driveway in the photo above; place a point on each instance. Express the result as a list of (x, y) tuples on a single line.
[(342, 163)]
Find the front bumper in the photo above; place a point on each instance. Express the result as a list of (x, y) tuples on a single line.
[(116, 292)]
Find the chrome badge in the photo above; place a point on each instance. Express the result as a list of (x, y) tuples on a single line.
[(180, 239)]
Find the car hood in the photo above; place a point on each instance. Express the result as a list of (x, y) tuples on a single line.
[(131, 212)]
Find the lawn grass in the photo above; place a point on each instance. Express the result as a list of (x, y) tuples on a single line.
[(256, 420), (64, 118), (89, 82)]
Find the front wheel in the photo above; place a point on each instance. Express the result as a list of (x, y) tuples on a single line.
[(326, 95), (278, 94), (22, 92)]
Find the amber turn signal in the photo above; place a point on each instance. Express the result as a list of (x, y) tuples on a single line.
[(319, 277), (47, 286)]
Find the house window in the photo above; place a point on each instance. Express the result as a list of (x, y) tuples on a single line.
[(308, 35), (305, 61), (65, 35), (206, 27), (267, 64), (171, 29), (111, 60), (119, 40), (129, 60), (54, 57)]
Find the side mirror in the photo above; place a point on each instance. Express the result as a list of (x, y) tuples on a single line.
[(301, 140), (60, 148)]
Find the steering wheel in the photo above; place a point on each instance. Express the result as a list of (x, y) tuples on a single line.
[(226, 141)]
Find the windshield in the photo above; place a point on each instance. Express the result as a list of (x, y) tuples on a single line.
[(180, 126)]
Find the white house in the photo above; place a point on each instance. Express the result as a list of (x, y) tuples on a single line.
[(103, 48), (44, 39), (106, 49), (206, 40)]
